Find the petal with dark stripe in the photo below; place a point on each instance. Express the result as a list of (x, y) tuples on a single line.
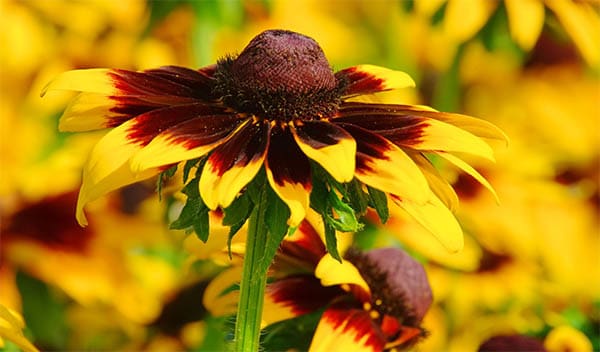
[(165, 82), (345, 329), (330, 146), (419, 133), (367, 79), (288, 172), (294, 296), (91, 111), (233, 164), (187, 140), (383, 165)]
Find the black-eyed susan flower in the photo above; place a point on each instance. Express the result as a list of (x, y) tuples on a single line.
[(278, 104), (371, 301)]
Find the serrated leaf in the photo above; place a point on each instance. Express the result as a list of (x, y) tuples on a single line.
[(318, 196), (276, 216), (162, 178), (379, 201), (187, 168), (201, 225), (331, 241), (238, 211), (346, 220), (359, 200)]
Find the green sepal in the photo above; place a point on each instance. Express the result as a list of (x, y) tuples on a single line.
[(379, 201), (163, 177)]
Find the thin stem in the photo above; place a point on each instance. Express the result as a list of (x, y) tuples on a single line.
[(252, 286)]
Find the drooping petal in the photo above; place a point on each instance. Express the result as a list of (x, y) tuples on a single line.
[(438, 185), (383, 165), (331, 272), (330, 146), (345, 329), (367, 79), (437, 219), (525, 21), (288, 172), (107, 167), (469, 170), (294, 296), (187, 140), (477, 127), (93, 188), (303, 249), (233, 164), (421, 133)]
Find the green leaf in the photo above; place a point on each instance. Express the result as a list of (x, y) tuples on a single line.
[(44, 312), (318, 196), (346, 220), (194, 214), (201, 225), (162, 178), (277, 214), (359, 200), (331, 241), (292, 334), (238, 211), (188, 167), (379, 201)]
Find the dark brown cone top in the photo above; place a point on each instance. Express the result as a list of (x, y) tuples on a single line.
[(278, 60), (280, 75)]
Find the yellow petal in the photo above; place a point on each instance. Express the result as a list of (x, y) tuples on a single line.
[(10, 328), (95, 80), (438, 135), (176, 144), (108, 167), (93, 188), (582, 22), (214, 299), (86, 112), (233, 164), (469, 170), (347, 330), (464, 18), (437, 219), (385, 166), (366, 79), (330, 146), (331, 272), (439, 186), (294, 195), (525, 21)]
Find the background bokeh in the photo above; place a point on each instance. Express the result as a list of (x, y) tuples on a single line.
[(530, 265)]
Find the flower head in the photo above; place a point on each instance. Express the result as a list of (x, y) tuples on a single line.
[(278, 104)]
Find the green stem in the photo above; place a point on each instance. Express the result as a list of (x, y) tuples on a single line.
[(252, 286)]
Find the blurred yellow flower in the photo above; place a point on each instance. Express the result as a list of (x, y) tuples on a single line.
[(11, 326)]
